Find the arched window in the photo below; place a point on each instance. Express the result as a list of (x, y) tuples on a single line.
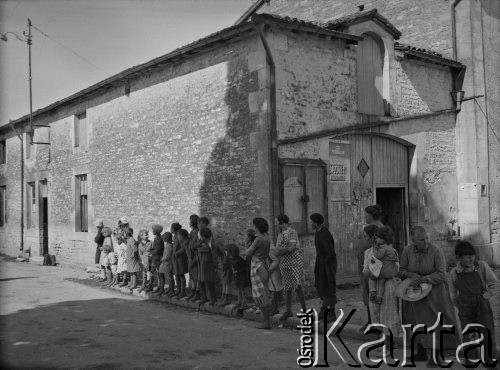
[(370, 60)]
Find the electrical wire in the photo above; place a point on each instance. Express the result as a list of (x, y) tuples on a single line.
[(487, 121), (71, 50)]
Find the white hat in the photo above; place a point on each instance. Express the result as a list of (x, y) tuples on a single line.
[(122, 220)]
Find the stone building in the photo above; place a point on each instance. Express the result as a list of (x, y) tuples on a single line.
[(273, 114)]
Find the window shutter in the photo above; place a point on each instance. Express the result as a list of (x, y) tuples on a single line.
[(82, 130), (293, 196)]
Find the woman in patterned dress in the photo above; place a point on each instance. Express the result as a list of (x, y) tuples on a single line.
[(259, 271), (291, 264)]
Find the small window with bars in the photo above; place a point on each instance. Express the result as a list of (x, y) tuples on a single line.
[(81, 204)]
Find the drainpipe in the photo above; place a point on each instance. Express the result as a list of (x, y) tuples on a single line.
[(454, 27), (272, 119)]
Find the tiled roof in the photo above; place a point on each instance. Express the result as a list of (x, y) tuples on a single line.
[(362, 16), (190, 49), (428, 55)]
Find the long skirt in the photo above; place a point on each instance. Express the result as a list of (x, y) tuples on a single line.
[(387, 313), (426, 312), (259, 276)]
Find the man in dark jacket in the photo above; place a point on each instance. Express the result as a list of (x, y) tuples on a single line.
[(325, 267)]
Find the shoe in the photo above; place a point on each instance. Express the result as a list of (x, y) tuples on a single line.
[(321, 314), (191, 296), (286, 315), (332, 316), (203, 301), (266, 324)]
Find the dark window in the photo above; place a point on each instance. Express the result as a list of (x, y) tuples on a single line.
[(30, 205), (3, 205), (3, 153), (81, 204), (303, 186), (81, 130)]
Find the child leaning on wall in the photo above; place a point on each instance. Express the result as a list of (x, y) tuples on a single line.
[(472, 285)]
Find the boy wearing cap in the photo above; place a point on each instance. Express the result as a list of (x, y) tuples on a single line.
[(473, 284)]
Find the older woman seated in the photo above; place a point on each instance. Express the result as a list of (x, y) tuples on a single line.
[(423, 262)]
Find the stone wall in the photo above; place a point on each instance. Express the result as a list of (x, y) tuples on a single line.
[(189, 138), (425, 24)]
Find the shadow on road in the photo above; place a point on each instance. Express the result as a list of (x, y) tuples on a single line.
[(17, 278), (124, 333)]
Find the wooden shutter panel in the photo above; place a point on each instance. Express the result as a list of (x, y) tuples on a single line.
[(83, 130), (293, 193), (76, 131)]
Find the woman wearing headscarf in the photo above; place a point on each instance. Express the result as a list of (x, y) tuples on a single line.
[(259, 271), (325, 267), (423, 262), (373, 216)]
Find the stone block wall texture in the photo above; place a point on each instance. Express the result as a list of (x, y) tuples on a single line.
[(189, 138), (491, 31), (424, 24)]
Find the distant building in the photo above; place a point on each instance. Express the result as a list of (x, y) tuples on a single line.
[(271, 115)]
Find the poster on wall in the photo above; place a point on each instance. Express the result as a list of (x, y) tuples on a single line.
[(339, 172)]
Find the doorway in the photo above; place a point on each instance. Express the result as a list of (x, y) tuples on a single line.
[(45, 226), (392, 201), (43, 218)]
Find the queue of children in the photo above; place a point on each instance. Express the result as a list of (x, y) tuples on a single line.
[(164, 260)]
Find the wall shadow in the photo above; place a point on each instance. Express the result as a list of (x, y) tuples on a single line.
[(227, 194)]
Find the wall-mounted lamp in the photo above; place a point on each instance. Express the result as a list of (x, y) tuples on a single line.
[(458, 97)]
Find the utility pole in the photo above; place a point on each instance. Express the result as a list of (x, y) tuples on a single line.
[(28, 41)]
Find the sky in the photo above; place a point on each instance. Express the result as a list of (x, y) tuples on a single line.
[(112, 35)]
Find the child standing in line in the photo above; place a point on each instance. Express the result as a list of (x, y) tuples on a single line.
[(180, 262), (121, 251), (133, 262), (193, 259), (250, 237), (226, 277), (275, 283), (473, 284), (113, 263), (165, 268), (144, 248), (239, 269), (107, 248), (384, 252), (207, 269), (157, 250)]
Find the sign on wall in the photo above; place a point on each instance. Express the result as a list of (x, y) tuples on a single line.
[(339, 172)]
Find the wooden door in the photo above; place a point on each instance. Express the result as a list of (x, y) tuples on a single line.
[(375, 162)]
